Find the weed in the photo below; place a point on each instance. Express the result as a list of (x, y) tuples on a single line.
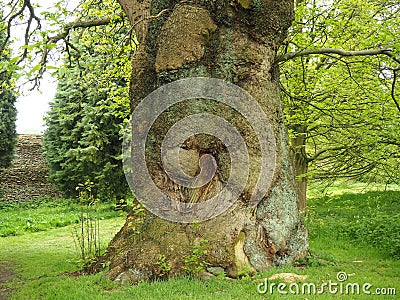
[(136, 217), (245, 272), (87, 235), (315, 260), (369, 218), (106, 264), (164, 265), (194, 263)]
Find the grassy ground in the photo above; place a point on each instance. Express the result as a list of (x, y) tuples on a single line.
[(43, 214), (353, 233)]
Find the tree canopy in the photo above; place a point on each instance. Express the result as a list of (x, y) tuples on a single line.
[(342, 106)]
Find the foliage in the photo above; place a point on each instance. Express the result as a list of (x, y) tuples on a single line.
[(378, 230), (137, 213), (344, 107), (83, 140), (368, 219), (8, 112), (195, 263), (164, 265)]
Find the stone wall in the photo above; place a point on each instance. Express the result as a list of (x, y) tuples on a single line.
[(27, 178)]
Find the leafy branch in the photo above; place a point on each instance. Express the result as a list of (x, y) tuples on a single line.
[(326, 51)]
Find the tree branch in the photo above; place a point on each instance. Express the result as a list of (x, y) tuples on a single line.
[(63, 36), (341, 52), (10, 20), (79, 24), (84, 24), (393, 89)]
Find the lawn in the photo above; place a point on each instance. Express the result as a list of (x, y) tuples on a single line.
[(355, 233)]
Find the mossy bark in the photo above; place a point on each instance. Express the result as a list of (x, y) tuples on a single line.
[(236, 42)]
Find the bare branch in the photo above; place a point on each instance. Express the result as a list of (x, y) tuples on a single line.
[(10, 20), (32, 17)]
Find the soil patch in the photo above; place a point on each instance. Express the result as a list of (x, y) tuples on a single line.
[(7, 274)]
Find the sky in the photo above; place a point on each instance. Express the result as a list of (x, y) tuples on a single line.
[(33, 105)]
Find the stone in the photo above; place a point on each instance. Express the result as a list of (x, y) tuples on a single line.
[(217, 271), (205, 275), (26, 179), (288, 277)]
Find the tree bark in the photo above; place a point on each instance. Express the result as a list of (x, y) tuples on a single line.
[(236, 42), (300, 164)]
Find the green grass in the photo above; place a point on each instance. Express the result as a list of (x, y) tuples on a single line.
[(43, 214), (367, 219), (347, 233)]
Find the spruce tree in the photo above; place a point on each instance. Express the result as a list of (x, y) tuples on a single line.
[(83, 141)]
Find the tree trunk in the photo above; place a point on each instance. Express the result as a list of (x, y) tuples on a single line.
[(300, 164), (236, 42)]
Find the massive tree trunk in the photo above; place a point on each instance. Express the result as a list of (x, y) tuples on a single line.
[(235, 41)]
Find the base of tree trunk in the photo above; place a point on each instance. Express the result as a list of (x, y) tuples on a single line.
[(240, 241)]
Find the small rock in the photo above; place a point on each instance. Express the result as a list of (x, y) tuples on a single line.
[(288, 277), (125, 278), (216, 270), (205, 275)]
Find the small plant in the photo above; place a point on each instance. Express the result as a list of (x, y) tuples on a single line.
[(245, 272), (87, 234), (136, 217), (164, 265), (315, 260), (194, 263), (106, 264)]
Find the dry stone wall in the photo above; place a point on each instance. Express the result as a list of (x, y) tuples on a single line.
[(27, 178)]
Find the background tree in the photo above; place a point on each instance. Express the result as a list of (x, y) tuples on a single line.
[(8, 112), (83, 140), (341, 104)]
